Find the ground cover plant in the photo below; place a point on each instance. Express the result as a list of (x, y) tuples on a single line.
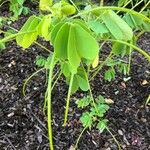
[(67, 27)]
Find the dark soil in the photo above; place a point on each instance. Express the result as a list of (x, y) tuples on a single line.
[(23, 125)]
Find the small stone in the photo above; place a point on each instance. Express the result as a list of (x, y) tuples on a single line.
[(10, 115), (120, 132), (109, 101), (144, 82)]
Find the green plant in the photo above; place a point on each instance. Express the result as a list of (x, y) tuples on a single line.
[(67, 28), (16, 7)]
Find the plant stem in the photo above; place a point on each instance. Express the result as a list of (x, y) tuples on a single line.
[(130, 56), (101, 2), (133, 46), (56, 79), (49, 103), (29, 78), (119, 148), (79, 137), (68, 100), (101, 66), (98, 9), (144, 7)]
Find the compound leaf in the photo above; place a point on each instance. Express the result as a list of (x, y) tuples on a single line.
[(29, 32), (117, 26)]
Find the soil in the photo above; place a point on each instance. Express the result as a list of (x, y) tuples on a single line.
[(23, 126)]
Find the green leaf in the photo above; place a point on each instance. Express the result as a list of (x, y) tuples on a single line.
[(82, 79), (117, 26), (84, 102), (65, 69), (30, 32), (98, 27), (102, 125), (40, 61), (86, 119), (61, 42), (55, 30), (100, 100), (45, 4), (75, 85), (67, 9), (44, 27), (102, 109), (88, 49), (73, 56), (2, 46), (109, 74), (136, 23), (119, 49)]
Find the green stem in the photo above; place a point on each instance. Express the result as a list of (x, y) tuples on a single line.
[(29, 78), (98, 9), (144, 7), (79, 137), (133, 46), (119, 147), (49, 103), (101, 66), (68, 100), (130, 56), (56, 79), (90, 90), (101, 2)]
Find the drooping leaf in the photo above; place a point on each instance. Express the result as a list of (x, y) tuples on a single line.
[(65, 69), (117, 26), (82, 79), (88, 49), (44, 27), (73, 56), (55, 31), (61, 42), (30, 32), (95, 62)]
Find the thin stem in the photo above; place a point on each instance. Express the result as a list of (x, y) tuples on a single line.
[(90, 90), (137, 4), (74, 5), (79, 137), (59, 75), (43, 47), (144, 7), (68, 100), (130, 56), (29, 78), (101, 66), (101, 2), (119, 147), (133, 46), (49, 103), (4, 3), (98, 9)]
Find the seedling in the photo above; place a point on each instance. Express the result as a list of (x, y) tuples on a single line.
[(77, 36)]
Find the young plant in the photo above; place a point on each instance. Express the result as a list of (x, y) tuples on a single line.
[(77, 36), (95, 115)]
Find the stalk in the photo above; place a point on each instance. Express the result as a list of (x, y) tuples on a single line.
[(49, 105), (80, 137), (68, 100)]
